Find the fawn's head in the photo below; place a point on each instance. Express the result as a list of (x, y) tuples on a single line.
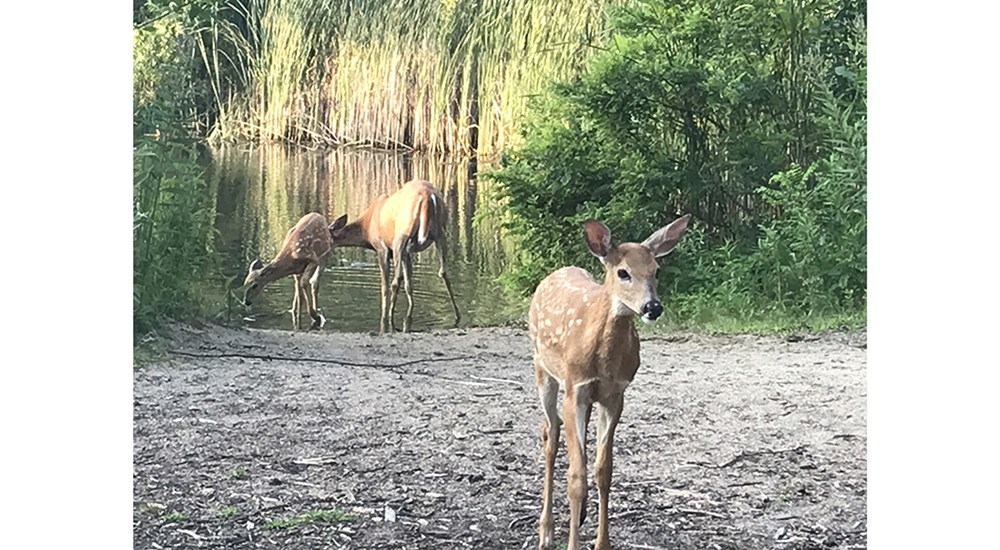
[(344, 234), (631, 268), (254, 281)]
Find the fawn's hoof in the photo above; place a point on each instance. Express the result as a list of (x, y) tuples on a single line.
[(319, 320)]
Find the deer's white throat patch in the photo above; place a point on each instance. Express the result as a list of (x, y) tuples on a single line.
[(619, 309)]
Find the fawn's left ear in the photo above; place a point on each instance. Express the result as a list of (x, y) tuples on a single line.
[(666, 238), (256, 264)]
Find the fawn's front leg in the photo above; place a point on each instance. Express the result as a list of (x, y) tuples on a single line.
[(576, 411), (548, 392), (608, 414)]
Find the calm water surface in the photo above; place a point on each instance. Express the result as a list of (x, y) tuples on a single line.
[(263, 191)]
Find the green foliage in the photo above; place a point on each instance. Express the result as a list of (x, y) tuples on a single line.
[(175, 517), (749, 115), (815, 252), (173, 209), (166, 89), (329, 515), (172, 232)]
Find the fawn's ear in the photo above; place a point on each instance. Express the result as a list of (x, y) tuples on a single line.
[(666, 238), (256, 264), (338, 224), (598, 238)]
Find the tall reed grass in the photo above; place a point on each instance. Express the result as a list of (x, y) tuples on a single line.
[(438, 75)]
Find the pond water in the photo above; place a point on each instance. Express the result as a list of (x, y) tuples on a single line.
[(263, 191)]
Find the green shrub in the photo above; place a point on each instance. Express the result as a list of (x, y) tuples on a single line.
[(173, 209), (713, 108)]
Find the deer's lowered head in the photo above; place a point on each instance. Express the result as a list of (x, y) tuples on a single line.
[(354, 233), (631, 268), (257, 277)]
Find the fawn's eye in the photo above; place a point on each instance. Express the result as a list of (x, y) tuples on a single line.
[(623, 275)]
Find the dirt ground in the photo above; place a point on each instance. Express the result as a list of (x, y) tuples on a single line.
[(726, 442)]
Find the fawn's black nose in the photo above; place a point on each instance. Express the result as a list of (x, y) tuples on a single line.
[(652, 309)]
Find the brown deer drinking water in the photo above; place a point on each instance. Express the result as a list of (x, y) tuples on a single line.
[(396, 227), (584, 338), (306, 246)]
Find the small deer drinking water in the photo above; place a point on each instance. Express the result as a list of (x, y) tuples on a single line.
[(302, 254), (584, 338), (396, 227)]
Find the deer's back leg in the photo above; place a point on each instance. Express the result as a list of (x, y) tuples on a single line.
[(397, 274), (384, 258), (440, 242), (407, 264), (310, 278)]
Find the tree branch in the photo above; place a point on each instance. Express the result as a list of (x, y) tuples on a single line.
[(264, 357)]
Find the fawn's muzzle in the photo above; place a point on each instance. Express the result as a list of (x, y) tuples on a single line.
[(652, 309)]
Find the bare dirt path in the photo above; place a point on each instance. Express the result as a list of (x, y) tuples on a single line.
[(726, 442)]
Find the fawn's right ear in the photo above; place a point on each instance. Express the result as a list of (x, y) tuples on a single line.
[(598, 238), (338, 224), (256, 264)]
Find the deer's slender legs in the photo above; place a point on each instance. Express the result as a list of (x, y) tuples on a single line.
[(311, 278), (304, 295), (608, 414), (441, 243), (315, 289), (408, 286), (296, 281), (548, 392), (576, 407), (383, 268), (397, 274)]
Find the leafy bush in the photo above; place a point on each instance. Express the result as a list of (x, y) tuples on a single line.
[(815, 251), (173, 250), (711, 107), (173, 210)]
